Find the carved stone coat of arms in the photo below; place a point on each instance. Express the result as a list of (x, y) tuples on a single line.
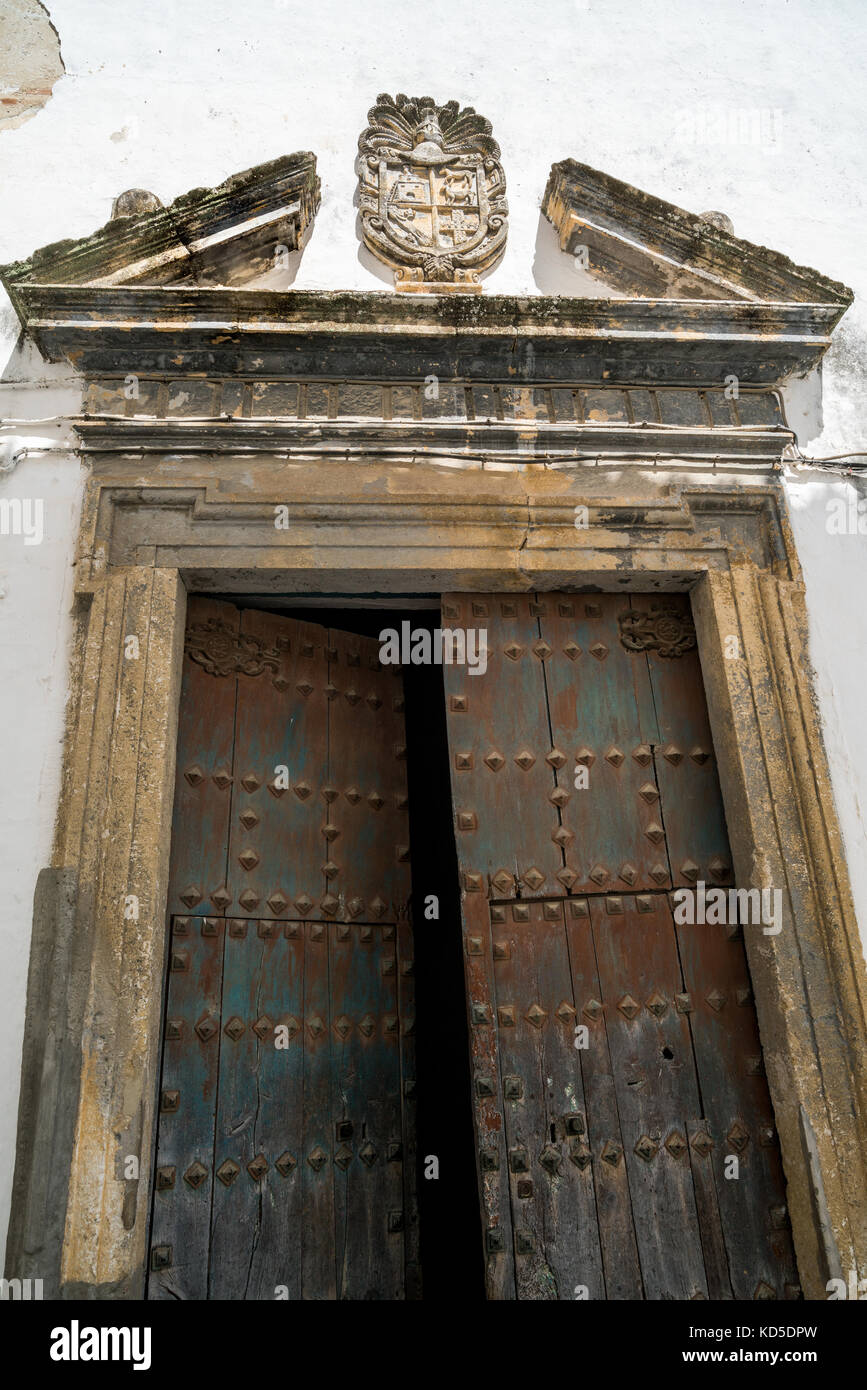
[(432, 193)]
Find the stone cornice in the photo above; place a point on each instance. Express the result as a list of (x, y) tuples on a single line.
[(535, 337), (643, 245)]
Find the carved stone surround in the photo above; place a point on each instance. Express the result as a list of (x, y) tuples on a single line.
[(413, 505)]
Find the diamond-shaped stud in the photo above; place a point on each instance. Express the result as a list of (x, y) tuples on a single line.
[(375, 801), (690, 870), (250, 782), (222, 778), (657, 1005), (579, 1153), (278, 904), (565, 1012), (248, 859), (525, 760), (716, 999), (585, 757), (227, 1172), (343, 1157), (191, 896), (648, 793), (262, 1027), (378, 908), (195, 1175), (572, 650), (315, 1026), (367, 1025), (503, 882), (643, 754), (257, 1167), (367, 1154), (536, 1015), (343, 1026), (206, 1028), (738, 1136), (611, 1153), (330, 832), (699, 755), (353, 795), (598, 873), (329, 794), (628, 873), (302, 790), (676, 1144), (194, 775), (628, 1006), (303, 904), (234, 1029), (551, 1159), (646, 1149), (542, 650), (317, 1158), (514, 651), (558, 797), (659, 873), (286, 1163), (592, 1009), (329, 904), (506, 1015), (614, 757), (249, 818), (292, 1026), (249, 899), (672, 754), (599, 650), (221, 898), (654, 832), (495, 761), (562, 837), (555, 758), (702, 1143), (534, 879), (719, 869)]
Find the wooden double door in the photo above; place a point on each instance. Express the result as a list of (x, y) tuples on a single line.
[(625, 1141)]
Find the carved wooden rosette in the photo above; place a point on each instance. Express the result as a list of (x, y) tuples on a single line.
[(432, 193)]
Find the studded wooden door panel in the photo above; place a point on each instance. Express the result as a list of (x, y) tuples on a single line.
[(285, 1149), (626, 1142)]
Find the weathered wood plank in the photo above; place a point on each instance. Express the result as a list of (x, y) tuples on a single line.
[(613, 1202), (498, 742), (318, 1268), (202, 805), (557, 1248), (188, 1088), (651, 1052), (737, 1108), (488, 1105), (602, 720), (276, 844)]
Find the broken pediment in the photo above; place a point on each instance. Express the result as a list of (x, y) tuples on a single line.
[(228, 235), (645, 247)]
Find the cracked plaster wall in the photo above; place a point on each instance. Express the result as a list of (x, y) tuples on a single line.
[(754, 111)]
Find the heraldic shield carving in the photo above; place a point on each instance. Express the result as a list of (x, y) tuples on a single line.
[(432, 193)]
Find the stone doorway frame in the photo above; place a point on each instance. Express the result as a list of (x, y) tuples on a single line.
[(95, 993)]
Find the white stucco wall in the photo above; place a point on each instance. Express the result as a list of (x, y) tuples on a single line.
[(753, 110)]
